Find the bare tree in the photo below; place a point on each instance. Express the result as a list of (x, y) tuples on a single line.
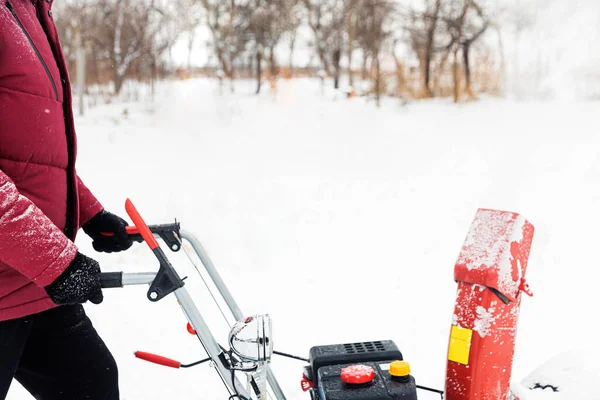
[(351, 21), (326, 18), (422, 26), (373, 31), (292, 18), (259, 15), (266, 23), (466, 23), (454, 18), (228, 28), (127, 35), (108, 40), (163, 29), (430, 17), (189, 18), (71, 19), (475, 27), (126, 39)]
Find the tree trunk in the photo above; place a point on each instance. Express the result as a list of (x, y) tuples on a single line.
[(190, 48), (272, 62), (350, 29), (466, 50), (377, 79), (232, 51), (292, 45), (442, 67), (153, 76), (363, 73), (400, 78), (456, 77), (324, 62), (430, 40), (350, 75), (427, 73), (258, 70), (502, 85), (118, 82), (232, 77), (337, 55), (95, 73), (466, 47), (223, 63), (117, 57), (80, 54)]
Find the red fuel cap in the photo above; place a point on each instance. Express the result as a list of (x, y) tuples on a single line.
[(357, 374)]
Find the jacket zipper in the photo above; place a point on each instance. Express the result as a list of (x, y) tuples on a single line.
[(12, 11), (69, 229)]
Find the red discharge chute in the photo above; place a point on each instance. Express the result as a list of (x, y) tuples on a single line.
[(490, 272)]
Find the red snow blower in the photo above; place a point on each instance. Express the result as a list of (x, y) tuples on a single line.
[(490, 273)]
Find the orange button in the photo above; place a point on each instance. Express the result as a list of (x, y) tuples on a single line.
[(399, 368)]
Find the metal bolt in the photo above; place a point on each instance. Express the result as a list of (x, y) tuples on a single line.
[(153, 295)]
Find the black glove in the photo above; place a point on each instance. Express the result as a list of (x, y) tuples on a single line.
[(105, 222), (79, 283)]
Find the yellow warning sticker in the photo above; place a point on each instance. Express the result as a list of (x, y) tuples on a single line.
[(460, 345)]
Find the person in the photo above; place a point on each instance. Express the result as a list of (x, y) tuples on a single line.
[(47, 342)]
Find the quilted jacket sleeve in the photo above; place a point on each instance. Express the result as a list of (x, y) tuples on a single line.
[(29, 241), (89, 206)]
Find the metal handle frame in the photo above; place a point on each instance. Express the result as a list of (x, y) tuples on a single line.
[(203, 332)]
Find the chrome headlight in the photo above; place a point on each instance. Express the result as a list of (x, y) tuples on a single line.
[(251, 338)]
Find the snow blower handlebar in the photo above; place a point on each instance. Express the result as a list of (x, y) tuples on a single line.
[(167, 281), (140, 233), (119, 279), (167, 232)]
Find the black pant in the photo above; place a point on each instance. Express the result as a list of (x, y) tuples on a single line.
[(57, 354)]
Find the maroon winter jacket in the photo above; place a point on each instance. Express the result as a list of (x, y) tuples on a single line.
[(42, 200)]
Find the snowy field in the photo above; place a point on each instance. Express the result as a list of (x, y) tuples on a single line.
[(343, 222)]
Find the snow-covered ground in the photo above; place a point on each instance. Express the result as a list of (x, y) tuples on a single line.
[(343, 222)]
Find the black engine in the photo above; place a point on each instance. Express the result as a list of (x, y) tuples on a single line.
[(359, 371)]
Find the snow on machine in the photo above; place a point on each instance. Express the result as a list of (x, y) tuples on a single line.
[(490, 273)]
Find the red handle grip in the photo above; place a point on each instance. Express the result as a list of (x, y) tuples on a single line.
[(140, 224), (156, 359), (131, 230)]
